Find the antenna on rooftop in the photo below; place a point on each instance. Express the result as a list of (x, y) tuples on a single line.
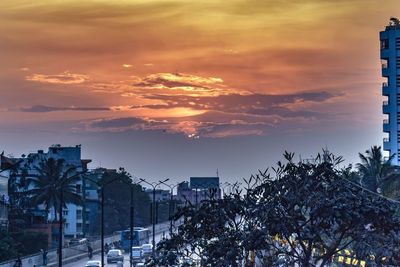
[(217, 173)]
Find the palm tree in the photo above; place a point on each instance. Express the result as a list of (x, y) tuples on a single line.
[(377, 173), (54, 185)]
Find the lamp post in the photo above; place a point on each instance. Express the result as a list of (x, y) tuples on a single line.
[(60, 228), (154, 186), (60, 225), (102, 186), (132, 214), (171, 187)]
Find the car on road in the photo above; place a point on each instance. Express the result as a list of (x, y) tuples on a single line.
[(147, 249), (137, 254), (115, 255), (93, 264)]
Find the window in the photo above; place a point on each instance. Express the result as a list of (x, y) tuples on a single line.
[(66, 225), (79, 214), (78, 188), (384, 44), (65, 212), (397, 43), (398, 80), (398, 62)]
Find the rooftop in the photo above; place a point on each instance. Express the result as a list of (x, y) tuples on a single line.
[(394, 24)]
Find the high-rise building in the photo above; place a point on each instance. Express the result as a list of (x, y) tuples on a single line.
[(390, 59)]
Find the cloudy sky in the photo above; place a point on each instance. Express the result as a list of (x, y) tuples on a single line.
[(182, 88)]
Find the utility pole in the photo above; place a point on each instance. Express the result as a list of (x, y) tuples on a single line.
[(154, 220), (154, 186), (102, 225), (60, 236), (131, 228), (171, 208), (102, 186)]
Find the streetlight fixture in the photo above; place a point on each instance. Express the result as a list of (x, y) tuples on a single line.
[(171, 187), (102, 186), (154, 186)]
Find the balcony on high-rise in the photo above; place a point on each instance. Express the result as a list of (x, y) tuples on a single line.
[(386, 144), (385, 89), (385, 68), (386, 126), (385, 107)]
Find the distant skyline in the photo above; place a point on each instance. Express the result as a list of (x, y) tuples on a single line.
[(173, 89)]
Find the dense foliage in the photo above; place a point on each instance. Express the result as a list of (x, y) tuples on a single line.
[(13, 245), (117, 198), (304, 213)]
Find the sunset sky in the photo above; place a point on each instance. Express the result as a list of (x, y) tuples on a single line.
[(180, 88)]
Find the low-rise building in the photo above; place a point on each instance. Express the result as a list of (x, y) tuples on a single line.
[(161, 195), (199, 189)]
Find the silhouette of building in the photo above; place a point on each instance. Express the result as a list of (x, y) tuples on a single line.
[(160, 196), (199, 189)]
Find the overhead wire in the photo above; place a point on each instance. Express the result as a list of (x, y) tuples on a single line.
[(370, 191)]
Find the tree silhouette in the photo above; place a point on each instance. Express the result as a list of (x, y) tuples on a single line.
[(53, 177), (377, 174), (300, 213)]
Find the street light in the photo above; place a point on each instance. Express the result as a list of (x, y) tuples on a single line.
[(171, 187), (153, 185), (101, 185), (60, 225)]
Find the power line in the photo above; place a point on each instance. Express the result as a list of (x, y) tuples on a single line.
[(370, 191)]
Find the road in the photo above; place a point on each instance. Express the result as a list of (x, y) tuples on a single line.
[(97, 257)]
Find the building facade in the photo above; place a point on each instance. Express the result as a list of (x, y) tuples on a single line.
[(198, 189), (390, 59), (3, 202), (161, 195), (74, 215)]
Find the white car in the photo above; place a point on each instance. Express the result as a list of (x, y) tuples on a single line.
[(93, 264), (147, 249), (136, 254)]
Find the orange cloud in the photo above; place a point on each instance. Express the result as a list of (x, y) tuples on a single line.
[(168, 84), (62, 78)]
